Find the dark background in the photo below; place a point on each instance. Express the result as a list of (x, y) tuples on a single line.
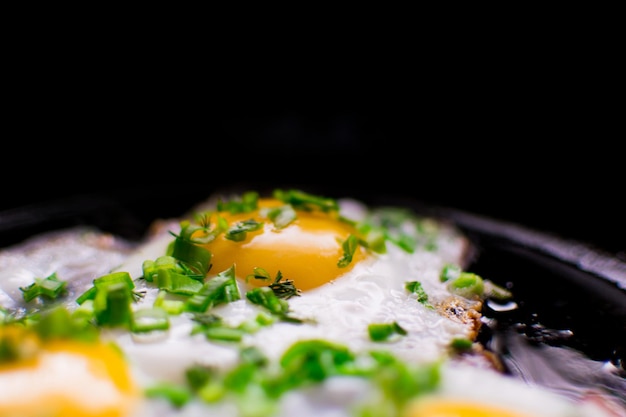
[(559, 171)]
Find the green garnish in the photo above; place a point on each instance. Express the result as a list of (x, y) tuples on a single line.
[(50, 287), (384, 331), (195, 257), (149, 319), (305, 201), (239, 230), (218, 290), (468, 285), (460, 344), (281, 216), (415, 287), (177, 395), (176, 283), (349, 246), (283, 288), (245, 204), (450, 272)]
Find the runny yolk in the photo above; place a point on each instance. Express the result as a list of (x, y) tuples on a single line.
[(305, 251), (68, 379), (458, 408)]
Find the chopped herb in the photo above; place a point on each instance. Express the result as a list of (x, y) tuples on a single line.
[(283, 288), (281, 216), (450, 272), (245, 204), (461, 344), (305, 201), (384, 331), (149, 319), (468, 285), (218, 290), (415, 287), (349, 247), (239, 230), (50, 287), (178, 395)]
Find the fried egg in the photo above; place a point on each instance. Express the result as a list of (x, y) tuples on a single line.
[(257, 306)]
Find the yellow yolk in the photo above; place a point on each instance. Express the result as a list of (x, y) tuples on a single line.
[(458, 408), (305, 251), (68, 379)]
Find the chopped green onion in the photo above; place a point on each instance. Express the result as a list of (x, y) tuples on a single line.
[(467, 285), (151, 268), (175, 283), (51, 287), (280, 216), (149, 319), (265, 297), (461, 344), (349, 247), (305, 201), (239, 230), (172, 307), (415, 287), (384, 331), (247, 203), (218, 290), (177, 395), (497, 292), (196, 257), (450, 272), (112, 304)]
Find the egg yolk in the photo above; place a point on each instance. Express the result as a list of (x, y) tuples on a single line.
[(306, 251), (458, 408), (68, 379)]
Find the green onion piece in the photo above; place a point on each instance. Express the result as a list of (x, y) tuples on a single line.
[(90, 294), (114, 278), (172, 307), (312, 361), (149, 319), (175, 283), (195, 257), (112, 304), (305, 201), (379, 332), (281, 216), (450, 272), (265, 297), (247, 203), (218, 290), (349, 246), (59, 323), (461, 344), (467, 285), (177, 395), (213, 328), (223, 333), (375, 240), (50, 287), (400, 382), (497, 292), (260, 274), (415, 287), (239, 230), (151, 268), (198, 375)]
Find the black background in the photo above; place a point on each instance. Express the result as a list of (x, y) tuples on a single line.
[(557, 171)]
